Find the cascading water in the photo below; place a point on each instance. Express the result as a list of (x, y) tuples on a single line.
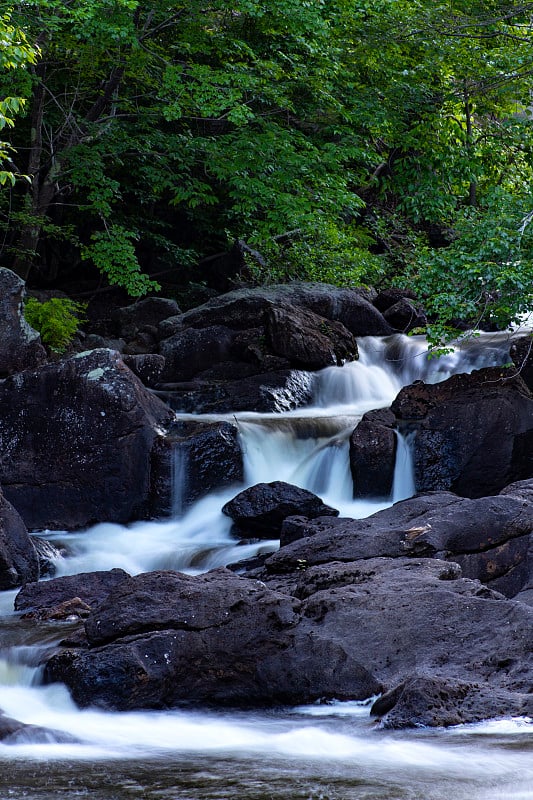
[(327, 751)]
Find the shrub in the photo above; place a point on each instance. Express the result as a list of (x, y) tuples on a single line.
[(57, 320)]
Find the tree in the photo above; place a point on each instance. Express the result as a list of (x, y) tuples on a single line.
[(15, 54), (333, 137)]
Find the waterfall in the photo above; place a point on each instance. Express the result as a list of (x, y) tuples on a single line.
[(293, 752), (179, 478), (403, 485)]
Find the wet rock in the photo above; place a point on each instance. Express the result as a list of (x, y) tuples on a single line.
[(427, 701), (201, 457), (272, 391), (308, 340), (48, 554), (20, 345), (521, 353), (242, 308), (147, 367), (261, 510), (473, 434), (19, 562), (12, 731), (164, 639), (89, 588), (77, 438), (488, 537), (373, 447)]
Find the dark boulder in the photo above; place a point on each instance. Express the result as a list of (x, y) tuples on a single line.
[(273, 391), (488, 537), (308, 340), (348, 630), (76, 439), (89, 587), (19, 562), (163, 639), (20, 345), (199, 457), (387, 298), (428, 702), (143, 315), (260, 510), (373, 447), (147, 367), (473, 434), (242, 308), (12, 731), (193, 350), (522, 356), (404, 316)]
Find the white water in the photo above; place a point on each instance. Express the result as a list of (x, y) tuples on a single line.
[(319, 751)]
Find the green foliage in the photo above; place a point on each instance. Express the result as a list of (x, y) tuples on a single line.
[(330, 253), (330, 136), (486, 275), (113, 252), (15, 54), (57, 320)]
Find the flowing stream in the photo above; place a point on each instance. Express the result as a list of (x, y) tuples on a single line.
[(319, 752)]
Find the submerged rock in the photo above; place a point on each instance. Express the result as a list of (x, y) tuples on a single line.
[(12, 731)]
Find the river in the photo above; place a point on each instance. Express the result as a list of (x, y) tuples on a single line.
[(319, 752)]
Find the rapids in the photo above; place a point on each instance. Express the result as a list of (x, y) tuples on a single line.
[(322, 751)]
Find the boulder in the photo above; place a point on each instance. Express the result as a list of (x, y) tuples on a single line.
[(76, 439), (191, 351), (404, 316), (522, 356), (388, 298), (344, 631), (20, 346), (260, 510), (427, 702), (489, 537), (143, 315), (307, 340), (284, 390), (148, 367), (88, 587), (473, 434), (19, 562), (373, 447), (200, 457), (163, 639), (242, 308), (12, 731)]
